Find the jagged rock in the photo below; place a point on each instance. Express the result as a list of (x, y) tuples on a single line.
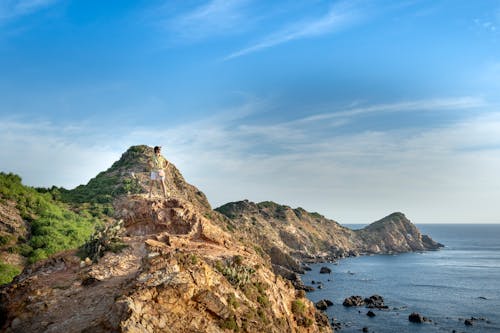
[(325, 270), (321, 319), (323, 304), (353, 301), (212, 303), (375, 301), (468, 322), (416, 317), (310, 237)]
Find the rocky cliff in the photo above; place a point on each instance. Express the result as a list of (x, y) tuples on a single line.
[(178, 269), (291, 236)]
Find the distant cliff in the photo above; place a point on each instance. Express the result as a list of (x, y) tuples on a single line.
[(293, 235)]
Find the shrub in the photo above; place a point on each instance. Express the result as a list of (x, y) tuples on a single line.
[(230, 324), (298, 307), (8, 272), (237, 274), (54, 227)]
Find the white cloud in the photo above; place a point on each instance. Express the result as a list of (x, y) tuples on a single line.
[(45, 154), (445, 174), (11, 9), (339, 16)]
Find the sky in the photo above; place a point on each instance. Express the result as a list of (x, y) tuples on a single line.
[(353, 109)]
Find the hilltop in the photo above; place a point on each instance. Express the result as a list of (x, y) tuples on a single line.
[(178, 268)]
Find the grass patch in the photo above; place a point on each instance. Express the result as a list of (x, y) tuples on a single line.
[(8, 272)]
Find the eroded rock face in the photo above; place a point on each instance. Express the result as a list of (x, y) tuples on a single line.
[(12, 228), (179, 273), (310, 237)]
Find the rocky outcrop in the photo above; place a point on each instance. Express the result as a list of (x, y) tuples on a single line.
[(353, 301), (179, 270), (394, 234), (13, 231), (310, 237), (417, 318)]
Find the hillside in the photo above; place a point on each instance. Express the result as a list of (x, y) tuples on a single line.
[(291, 236), (179, 268), (34, 225)]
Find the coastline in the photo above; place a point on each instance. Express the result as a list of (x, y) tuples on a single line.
[(410, 282)]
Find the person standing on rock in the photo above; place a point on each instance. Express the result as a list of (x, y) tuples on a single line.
[(158, 164)]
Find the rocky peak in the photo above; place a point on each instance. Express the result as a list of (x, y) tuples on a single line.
[(131, 175), (177, 271), (394, 233)]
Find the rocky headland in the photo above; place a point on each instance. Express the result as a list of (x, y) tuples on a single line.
[(293, 237), (176, 265)]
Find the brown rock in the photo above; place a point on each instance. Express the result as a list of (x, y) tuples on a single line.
[(353, 301)]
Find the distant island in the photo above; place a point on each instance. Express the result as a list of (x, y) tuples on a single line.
[(104, 257)]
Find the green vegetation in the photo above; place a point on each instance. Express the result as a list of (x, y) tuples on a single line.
[(229, 324), (118, 180), (8, 272), (232, 301), (105, 238), (236, 273), (267, 204), (298, 307), (54, 227), (316, 215)]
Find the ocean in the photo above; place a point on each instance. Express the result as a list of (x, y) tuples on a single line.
[(458, 282)]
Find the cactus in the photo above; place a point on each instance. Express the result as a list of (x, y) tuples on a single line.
[(104, 239)]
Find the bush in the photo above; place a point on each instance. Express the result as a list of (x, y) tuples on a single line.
[(298, 307), (54, 227), (8, 272), (237, 274)]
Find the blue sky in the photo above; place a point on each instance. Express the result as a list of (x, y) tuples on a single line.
[(354, 109)]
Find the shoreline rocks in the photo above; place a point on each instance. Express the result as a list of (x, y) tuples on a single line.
[(417, 318), (325, 270)]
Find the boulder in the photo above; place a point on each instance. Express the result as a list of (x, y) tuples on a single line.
[(323, 304), (416, 317), (325, 270), (354, 301), (370, 314), (375, 302)]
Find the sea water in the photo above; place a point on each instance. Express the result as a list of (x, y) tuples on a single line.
[(458, 282)]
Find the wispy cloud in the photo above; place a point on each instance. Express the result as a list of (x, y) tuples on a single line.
[(338, 117), (216, 17), (396, 169), (457, 103), (12, 9), (354, 177), (339, 16)]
